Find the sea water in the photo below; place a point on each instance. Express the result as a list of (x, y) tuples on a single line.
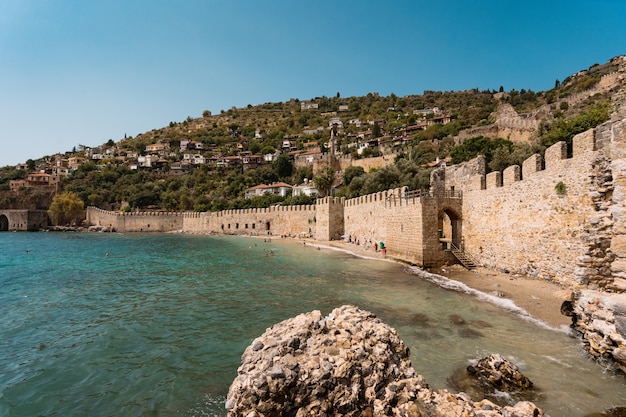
[(155, 324)]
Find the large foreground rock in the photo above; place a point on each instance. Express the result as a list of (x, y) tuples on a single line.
[(349, 364)]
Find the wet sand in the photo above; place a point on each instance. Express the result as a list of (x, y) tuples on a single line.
[(539, 298)]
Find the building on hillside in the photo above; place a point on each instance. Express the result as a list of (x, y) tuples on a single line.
[(439, 163), (194, 159), (228, 161), (180, 168), (335, 122), (251, 161), (307, 157), (423, 112), (306, 188), (38, 179), (147, 161), (308, 106), (371, 143), (74, 162), (16, 185), (277, 188), (156, 147), (58, 171), (271, 157), (160, 164), (311, 146), (309, 131)]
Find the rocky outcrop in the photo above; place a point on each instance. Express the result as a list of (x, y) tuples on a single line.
[(498, 373), (600, 318), (594, 267), (348, 363)]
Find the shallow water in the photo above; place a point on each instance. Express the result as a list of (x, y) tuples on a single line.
[(157, 327)]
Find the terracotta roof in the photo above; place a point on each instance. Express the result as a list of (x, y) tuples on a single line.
[(280, 184)]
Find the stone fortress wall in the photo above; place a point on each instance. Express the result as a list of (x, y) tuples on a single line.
[(23, 220), (518, 221), (289, 220)]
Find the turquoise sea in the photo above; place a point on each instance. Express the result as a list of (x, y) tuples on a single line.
[(155, 324)]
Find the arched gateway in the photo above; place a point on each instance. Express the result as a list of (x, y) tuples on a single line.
[(4, 223), (23, 220)]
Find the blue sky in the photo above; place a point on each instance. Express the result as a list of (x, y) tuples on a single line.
[(83, 72)]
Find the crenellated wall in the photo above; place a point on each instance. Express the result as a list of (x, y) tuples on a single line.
[(135, 222), (279, 220), (288, 220), (365, 217), (538, 221)]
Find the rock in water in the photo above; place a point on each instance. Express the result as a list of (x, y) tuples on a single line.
[(499, 373), (348, 363)]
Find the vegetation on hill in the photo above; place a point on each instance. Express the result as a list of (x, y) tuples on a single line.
[(411, 126)]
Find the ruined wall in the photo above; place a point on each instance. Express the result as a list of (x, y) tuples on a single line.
[(25, 220), (612, 186), (367, 163), (459, 177)]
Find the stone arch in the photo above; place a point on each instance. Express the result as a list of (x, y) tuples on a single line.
[(4, 223), (449, 224)]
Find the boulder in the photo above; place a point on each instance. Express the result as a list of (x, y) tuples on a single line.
[(348, 363), (498, 373)]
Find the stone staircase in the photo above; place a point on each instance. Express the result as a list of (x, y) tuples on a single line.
[(465, 258)]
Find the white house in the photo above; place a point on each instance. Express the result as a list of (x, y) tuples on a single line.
[(306, 188), (308, 106), (146, 161), (277, 188), (335, 121), (271, 157), (198, 159)]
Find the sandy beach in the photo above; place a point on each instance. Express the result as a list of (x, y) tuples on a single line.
[(541, 299)]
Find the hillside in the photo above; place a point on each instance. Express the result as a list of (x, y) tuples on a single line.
[(208, 163)]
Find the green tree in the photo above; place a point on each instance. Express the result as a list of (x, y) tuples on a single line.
[(302, 173), (480, 145), (66, 208), (352, 172), (324, 181), (283, 166), (565, 129), (376, 131)]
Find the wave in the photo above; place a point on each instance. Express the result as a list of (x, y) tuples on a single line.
[(504, 303)]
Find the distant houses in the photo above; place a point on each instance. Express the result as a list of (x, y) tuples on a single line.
[(278, 188), (183, 152)]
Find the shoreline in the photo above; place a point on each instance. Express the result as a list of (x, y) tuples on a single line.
[(539, 299)]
